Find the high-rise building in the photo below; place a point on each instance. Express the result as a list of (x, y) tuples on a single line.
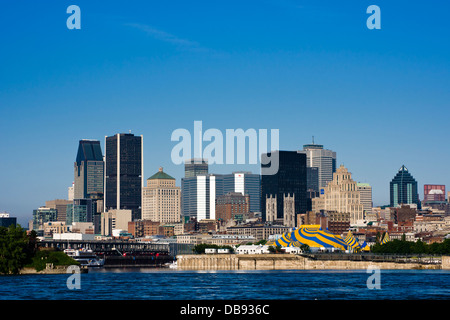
[(124, 173), (61, 207), (199, 196), (199, 193), (88, 170), (290, 180), (80, 210), (194, 167), (323, 159), (341, 195), (403, 188), (365, 196), (6, 220), (246, 183), (161, 199), (41, 216), (433, 193)]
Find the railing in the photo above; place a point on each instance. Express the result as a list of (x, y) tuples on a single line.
[(397, 258)]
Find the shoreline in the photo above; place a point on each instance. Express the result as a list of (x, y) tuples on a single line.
[(292, 262)]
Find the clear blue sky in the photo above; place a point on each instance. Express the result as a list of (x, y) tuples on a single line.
[(379, 98)]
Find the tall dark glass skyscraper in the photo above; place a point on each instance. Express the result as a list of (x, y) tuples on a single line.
[(124, 173), (88, 170), (289, 180), (403, 188)]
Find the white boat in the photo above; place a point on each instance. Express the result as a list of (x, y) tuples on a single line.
[(87, 258)]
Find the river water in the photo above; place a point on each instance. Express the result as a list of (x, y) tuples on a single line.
[(170, 284)]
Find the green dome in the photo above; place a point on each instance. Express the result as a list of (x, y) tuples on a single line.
[(161, 175)]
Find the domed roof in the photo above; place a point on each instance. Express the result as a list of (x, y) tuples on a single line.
[(161, 175)]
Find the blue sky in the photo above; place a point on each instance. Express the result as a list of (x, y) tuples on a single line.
[(379, 98)]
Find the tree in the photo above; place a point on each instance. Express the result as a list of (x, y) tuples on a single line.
[(14, 249)]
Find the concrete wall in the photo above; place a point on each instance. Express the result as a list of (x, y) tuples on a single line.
[(286, 262)]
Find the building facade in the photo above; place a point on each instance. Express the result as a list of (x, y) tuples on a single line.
[(341, 195), (161, 199), (88, 170), (323, 159), (195, 167), (124, 173), (433, 193), (230, 205), (289, 180), (365, 194), (403, 189)]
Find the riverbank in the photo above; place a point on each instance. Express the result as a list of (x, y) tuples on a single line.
[(50, 269), (290, 262)]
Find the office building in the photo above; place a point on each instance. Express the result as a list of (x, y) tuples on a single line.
[(71, 192), (195, 167), (341, 195), (232, 206), (61, 208), (290, 180), (403, 189), (433, 193), (199, 193), (246, 183), (161, 199), (324, 160), (80, 210), (6, 220), (115, 220), (365, 196), (88, 170), (124, 173), (41, 216), (199, 196)]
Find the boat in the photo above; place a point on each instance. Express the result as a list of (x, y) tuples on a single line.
[(86, 257)]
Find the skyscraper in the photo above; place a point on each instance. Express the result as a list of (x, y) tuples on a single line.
[(246, 183), (403, 188), (365, 196), (88, 170), (323, 159), (341, 195), (161, 200), (194, 167), (124, 173), (290, 180)]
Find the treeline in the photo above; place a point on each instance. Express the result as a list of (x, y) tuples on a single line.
[(19, 250), (16, 249), (409, 247)]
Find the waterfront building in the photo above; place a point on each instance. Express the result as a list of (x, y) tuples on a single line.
[(124, 169), (61, 207), (340, 195), (259, 231), (323, 159), (403, 189), (6, 220), (290, 180), (365, 196), (88, 170), (161, 199), (195, 167)]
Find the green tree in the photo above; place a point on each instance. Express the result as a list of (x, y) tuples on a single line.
[(14, 249)]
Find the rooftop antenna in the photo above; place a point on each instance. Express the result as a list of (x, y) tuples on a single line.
[(129, 131), (312, 139)]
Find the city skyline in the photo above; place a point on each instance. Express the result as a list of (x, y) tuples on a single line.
[(307, 69)]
